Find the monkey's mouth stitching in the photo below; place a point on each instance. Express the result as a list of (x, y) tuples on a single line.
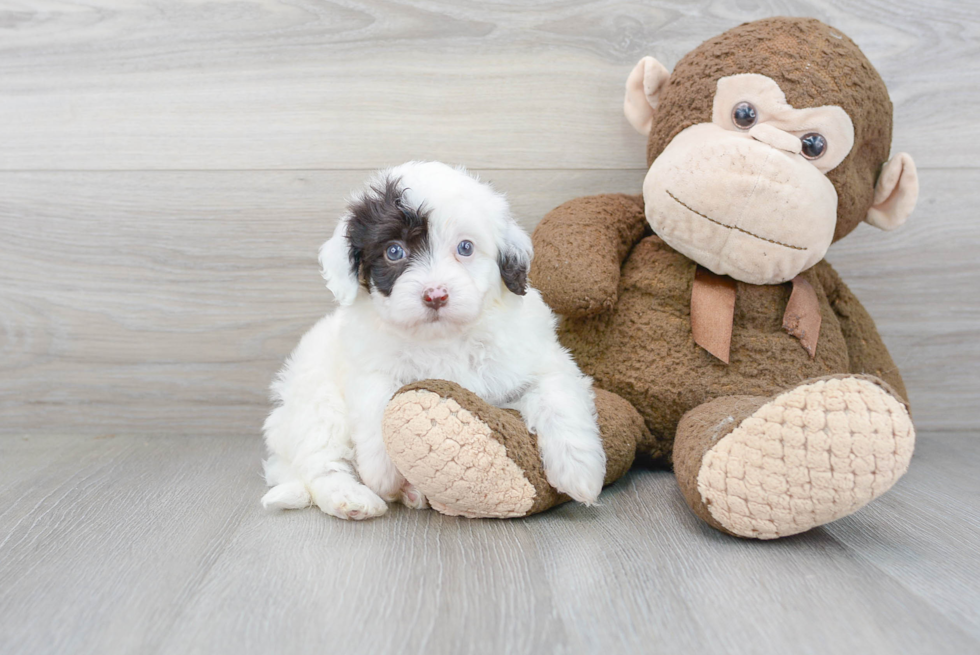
[(731, 227)]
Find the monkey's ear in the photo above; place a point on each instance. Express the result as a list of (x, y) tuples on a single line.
[(895, 194), (514, 257), (643, 88), (337, 268)]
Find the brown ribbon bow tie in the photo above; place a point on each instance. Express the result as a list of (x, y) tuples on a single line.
[(713, 312)]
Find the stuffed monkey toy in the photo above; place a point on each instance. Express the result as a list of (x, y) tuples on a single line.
[(719, 339)]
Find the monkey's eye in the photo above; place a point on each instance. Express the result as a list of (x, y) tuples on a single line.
[(814, 145), (744, 115), (394, 252), (465, 248)]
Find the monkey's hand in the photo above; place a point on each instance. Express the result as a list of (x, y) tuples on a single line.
[(579, 248)]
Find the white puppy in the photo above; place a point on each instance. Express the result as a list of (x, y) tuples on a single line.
[(430, 271)]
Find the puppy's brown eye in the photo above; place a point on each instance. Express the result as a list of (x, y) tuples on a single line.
[(814, 145), (394, 252), (744, 115)]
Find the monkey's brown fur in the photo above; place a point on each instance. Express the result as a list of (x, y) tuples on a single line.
[(815, 65), (628, 319), (643, 350), (626, 295)]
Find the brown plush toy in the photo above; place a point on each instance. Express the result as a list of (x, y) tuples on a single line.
[(718, 337)]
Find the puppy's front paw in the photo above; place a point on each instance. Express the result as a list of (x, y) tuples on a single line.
[(577, 471), (339, 494)]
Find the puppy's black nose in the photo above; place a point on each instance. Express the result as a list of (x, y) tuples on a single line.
[(435, 297)]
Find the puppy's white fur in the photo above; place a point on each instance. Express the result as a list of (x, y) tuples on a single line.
[(325, 432)]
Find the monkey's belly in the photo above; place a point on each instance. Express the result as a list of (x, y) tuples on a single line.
[(643, 349)]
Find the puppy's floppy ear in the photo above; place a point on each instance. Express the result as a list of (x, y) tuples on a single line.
[(514, 257), (339, 267)]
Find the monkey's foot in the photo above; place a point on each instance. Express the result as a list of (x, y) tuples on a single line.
[(467, 457), (807, 457)]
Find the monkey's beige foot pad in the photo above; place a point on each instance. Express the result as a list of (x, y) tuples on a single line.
[(808, 457), (452, 455)]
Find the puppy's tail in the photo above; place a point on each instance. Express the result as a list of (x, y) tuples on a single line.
[(288, 491)]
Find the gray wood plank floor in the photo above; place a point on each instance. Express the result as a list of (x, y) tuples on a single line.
[(159, 545)]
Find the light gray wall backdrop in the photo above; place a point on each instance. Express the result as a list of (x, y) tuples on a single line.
[(167, 172)]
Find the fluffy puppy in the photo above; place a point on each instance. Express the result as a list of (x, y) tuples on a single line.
[(430, 271)]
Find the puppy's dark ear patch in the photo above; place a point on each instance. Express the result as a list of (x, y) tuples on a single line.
[(513, 271)]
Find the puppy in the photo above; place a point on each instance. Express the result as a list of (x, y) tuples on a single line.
[(430, 271)]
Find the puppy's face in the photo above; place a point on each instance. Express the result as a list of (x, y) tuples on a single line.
[(431, 245)]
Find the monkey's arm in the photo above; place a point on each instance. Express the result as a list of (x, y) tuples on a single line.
[(865, 349), (579, 248)]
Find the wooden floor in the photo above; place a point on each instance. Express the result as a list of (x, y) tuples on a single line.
[(167, 172), (158, 545)]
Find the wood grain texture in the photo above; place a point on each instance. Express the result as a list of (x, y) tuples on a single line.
[(129, 545), (357, 84), (918, 531), (92, 543), (154, 302), (167, 171), (162, 302)]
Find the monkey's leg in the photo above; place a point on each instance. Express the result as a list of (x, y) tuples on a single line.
[(772, 467), (472, 459)]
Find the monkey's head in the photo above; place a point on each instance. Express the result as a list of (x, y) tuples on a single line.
[(766, 144)]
